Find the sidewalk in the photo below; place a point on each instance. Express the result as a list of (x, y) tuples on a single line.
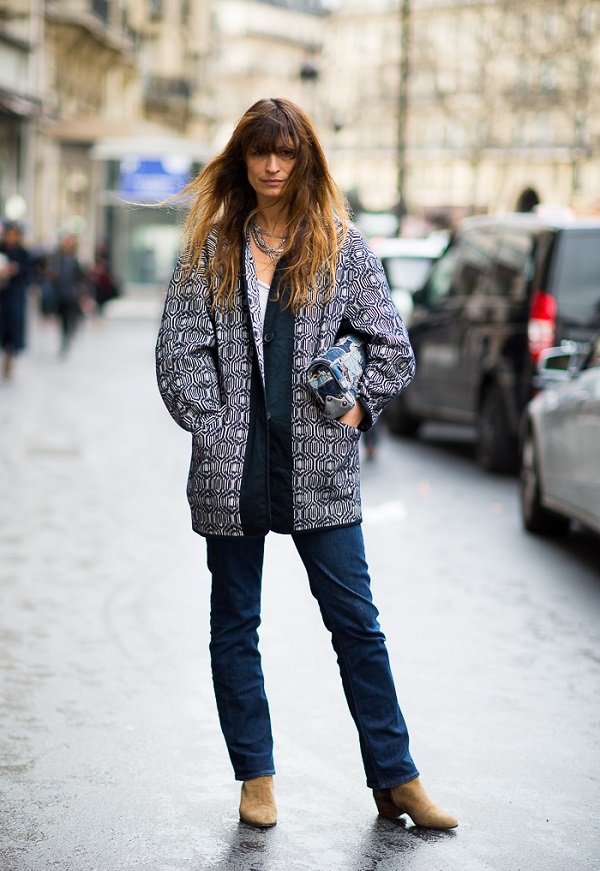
[(110, 751)]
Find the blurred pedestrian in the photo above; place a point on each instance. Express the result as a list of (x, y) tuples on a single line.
[(102, 282), (371, 439), (69, 285), (14, 281), (271, 275), (42, 279)]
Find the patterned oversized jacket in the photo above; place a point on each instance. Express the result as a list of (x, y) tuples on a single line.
[(220, 381)]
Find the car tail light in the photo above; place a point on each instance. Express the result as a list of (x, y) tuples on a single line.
[(542, 323)]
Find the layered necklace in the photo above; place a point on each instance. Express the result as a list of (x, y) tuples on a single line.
[(274, 252)]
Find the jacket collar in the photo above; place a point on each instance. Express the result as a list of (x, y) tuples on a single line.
[(250, 289)]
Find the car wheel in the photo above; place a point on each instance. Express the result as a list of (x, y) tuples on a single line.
[(399, 420), (535, 517), (496, 449)]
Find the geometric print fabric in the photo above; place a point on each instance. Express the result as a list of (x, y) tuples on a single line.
[(204, 370)]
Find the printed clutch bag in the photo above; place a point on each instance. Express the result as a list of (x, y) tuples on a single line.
[(333, 378)]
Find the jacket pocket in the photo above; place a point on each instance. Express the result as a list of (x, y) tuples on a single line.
[(208, 432), (208, 421), (341, 430)]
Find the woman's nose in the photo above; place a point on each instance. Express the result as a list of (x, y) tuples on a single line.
[(272, 163)]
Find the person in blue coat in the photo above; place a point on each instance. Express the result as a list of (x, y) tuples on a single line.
[(272, 274), (14, 281)]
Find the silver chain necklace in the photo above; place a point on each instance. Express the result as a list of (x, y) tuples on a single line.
[(258, 234)]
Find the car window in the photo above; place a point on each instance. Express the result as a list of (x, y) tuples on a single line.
[(440, 280), (544, 249), (476, 253), (594, 358), (514, 267), (576, 279), (463, 269), (407, 273)]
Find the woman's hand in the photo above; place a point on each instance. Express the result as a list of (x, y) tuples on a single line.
[(353, 417)]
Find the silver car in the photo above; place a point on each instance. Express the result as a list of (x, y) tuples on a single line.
[(560, 451)]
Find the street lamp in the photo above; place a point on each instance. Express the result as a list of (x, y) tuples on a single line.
[(309, 71)]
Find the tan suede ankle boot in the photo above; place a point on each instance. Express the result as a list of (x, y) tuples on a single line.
[(410, 798), (257, 802)]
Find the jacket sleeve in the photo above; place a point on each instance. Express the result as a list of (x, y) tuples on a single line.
[(186, 366), (370, 311)]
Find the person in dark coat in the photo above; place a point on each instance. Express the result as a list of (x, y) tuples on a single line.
[(102, 282), (14, 281), (69, 285), (271, 275)]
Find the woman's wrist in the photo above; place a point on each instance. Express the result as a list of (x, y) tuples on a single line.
[(355, 416)]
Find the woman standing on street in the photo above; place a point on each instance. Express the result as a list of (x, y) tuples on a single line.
[(271, 276)]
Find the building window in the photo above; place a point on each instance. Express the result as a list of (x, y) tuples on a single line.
[(522, 78), (549, 25), (435, 133), (583, 75), (155, 9), (581, 131), (520, 130), (587, 21), (455, 134), (547, 75), (544, 129), (100, 8)]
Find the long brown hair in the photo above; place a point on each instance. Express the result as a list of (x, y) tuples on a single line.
[(225, 201)]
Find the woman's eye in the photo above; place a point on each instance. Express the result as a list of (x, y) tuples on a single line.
[(287, 153)]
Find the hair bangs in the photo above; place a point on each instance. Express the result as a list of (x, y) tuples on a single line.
[(271, 132)]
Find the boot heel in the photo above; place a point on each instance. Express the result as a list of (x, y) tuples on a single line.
[(385, 804)]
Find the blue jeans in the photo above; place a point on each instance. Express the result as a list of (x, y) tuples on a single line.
[(339, 580)]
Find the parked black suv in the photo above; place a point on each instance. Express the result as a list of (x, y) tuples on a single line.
[(507, 288)]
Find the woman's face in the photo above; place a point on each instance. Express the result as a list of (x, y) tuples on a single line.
[(268, 171)]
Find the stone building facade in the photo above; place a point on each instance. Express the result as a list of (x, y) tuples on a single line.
[(103, 102), (77, 78), (21, 100), (502, 96)]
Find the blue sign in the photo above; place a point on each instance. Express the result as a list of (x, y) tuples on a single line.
[(152, 180)]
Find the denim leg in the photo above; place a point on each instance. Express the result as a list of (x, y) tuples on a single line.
[(339, 580), (236, 568)]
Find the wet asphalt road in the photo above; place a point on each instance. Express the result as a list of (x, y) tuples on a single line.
[(110, 754)]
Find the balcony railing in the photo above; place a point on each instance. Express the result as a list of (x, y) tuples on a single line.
[(166, 89), (98, 17)]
